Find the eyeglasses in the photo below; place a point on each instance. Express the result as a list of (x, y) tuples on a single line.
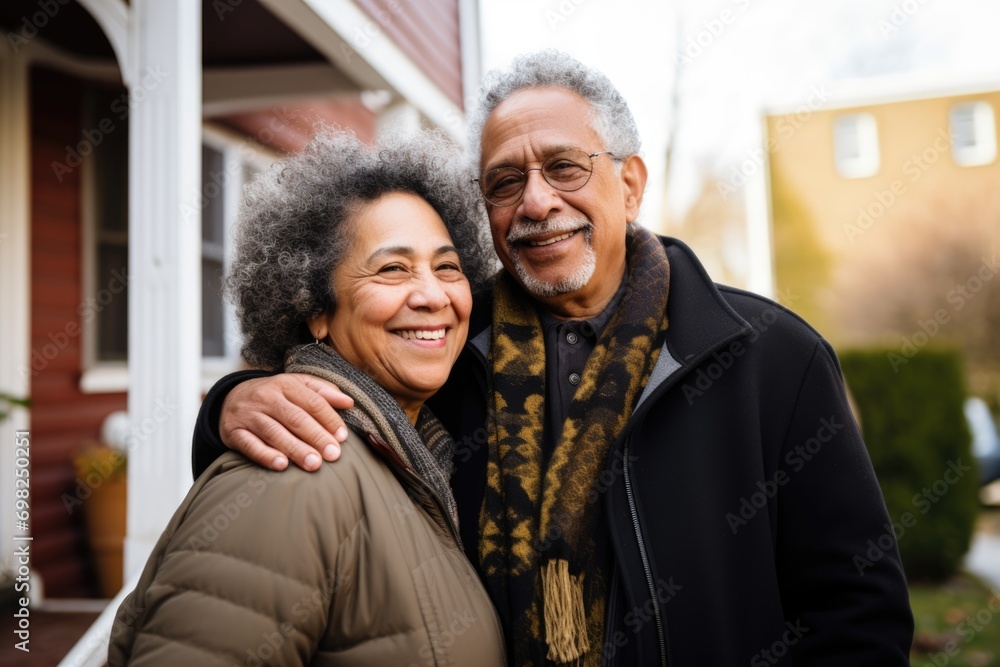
[(565, 171)]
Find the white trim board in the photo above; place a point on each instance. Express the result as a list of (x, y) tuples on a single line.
[(40, 52), (329, 26), (15, 269), (237, 89), (115, 17), (854, 93)]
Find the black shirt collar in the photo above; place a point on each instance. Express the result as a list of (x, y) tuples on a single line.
[(591, 327)]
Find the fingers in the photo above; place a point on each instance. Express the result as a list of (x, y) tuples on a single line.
[(328, 391), (254, 449), (287, 415), (309, 416), (273, 433), (319, 401)]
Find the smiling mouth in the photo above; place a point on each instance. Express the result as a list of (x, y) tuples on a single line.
[(421, 334), (555, 239)]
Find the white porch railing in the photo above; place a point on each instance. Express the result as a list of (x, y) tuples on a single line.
[(92, 649)]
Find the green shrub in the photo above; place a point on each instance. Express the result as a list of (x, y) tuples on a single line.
[(913, 422)]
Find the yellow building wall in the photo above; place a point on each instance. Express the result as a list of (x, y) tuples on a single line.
[(819, 217)]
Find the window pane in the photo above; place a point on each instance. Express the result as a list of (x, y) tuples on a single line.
[(110, 161), (212, 314), (110, 302), (108, 134), (963, 127), (213, 183), (855, 145), (973, 134)]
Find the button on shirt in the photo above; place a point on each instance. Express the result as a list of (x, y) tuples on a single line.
[(568, 344)]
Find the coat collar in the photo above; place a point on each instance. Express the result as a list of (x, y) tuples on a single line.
[(701, 321)]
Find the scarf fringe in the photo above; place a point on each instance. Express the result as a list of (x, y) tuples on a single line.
[(565, 616)]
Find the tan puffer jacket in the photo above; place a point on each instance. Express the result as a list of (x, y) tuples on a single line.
[(341, 566)]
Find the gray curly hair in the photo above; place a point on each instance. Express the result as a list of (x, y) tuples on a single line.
[(291, 230), (612, 119)]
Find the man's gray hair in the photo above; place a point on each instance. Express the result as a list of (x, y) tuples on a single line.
[(292, 228), (612, 119)]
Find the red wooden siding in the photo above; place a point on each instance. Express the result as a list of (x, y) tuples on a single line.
[(428, 32), (290, 127), (62, 418)]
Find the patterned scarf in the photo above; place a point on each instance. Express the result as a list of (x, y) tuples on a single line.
[(539, 526), (426, 449)]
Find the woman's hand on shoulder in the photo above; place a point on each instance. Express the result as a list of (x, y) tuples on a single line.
[(289, 416)]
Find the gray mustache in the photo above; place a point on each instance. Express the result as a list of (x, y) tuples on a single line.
[(522, 230)]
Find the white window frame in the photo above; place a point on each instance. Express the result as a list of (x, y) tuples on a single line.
[(984, 149), (231, 183), (98, 376), (239, 152), (867, 162)]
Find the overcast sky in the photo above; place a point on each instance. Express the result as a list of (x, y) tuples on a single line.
[(742, 55)]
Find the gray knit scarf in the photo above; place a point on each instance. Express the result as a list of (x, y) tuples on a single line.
[(426, 449)]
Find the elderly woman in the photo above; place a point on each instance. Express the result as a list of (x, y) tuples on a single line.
[(353, 264)]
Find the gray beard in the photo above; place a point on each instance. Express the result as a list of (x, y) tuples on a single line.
[(545, 290)]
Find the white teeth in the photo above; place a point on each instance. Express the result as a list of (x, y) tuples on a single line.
[(539, 244), (421, 334)]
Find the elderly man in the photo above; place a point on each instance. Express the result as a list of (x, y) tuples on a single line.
[(652, 469)]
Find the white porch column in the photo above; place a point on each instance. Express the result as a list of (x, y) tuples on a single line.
[(164, 264), (472, 54), (15, 272)]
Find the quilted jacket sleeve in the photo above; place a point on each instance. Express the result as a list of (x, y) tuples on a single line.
[(243, 573)]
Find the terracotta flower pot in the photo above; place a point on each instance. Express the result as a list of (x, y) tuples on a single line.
[(104, 513)]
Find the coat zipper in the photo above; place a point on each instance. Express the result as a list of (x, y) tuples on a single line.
[(645, 558)]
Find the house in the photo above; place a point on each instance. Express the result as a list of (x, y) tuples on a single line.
[(847, 176), (126, 132)]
